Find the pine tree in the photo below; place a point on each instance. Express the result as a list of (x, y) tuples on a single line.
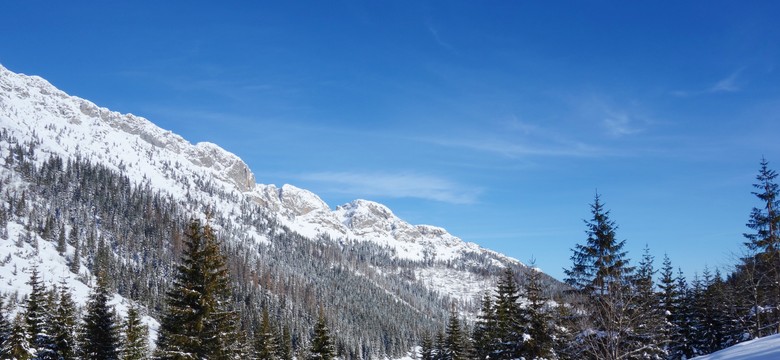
[(285, 350), (98, 337), (670, 304), (64, 324), (265, 341), (600, 275), (765, 241), (684, 321), (136, 345), (198, 322), (17, 346), (601, 262), (38, 318), (440, 347), (455, 341), (483, 329), (510, 319), (541, 329), (73, 239), (322, 347), (5, 326), (426, 347), (649, 327)]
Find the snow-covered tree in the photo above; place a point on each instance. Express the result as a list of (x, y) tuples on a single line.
[(136, 334), (322, 347), (98, 336), (198, 321)]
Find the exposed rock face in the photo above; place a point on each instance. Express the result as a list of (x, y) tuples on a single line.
[(45, 98), (146, 152)]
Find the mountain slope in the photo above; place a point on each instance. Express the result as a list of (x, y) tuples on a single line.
[(120, 182)]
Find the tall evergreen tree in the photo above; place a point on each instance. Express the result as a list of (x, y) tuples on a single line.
[(5, 325), (440, 346), (285, 349), (510, 320), (38, 316), (541, 329), (322, 347), (483, 329), (765, 240), (426, 347), (198, 321), (601, 261), (455, 342), (265, 341), (670, 304), (649, 328), (64, 324), (600, 275), (135, 344), (17, 346), (98, 337), (684, 321)]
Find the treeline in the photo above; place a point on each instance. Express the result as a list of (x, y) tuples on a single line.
[(615, 310), (98, 218), (199, 320)]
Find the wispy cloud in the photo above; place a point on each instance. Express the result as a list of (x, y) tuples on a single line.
[(620, 123), (515, 139), (400, 185), (436, 37), (730, 83), (515, 149)]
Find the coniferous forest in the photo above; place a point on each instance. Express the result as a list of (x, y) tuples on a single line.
[(217, 297)]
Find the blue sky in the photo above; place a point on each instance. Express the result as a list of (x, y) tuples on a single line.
[(497, 120)]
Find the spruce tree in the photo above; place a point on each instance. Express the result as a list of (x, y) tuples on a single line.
[(198, 321), (64, 324), (135, 344), (670, 304), (600, 275), (98, 337), (17, 346), (682, 345), (265, 341), (322, 347), (765, 240), (601, 262), (426, 347), (484, 328), (510, 319), (5, 325), (38, 316), (455, 341), (649, 327), (541, 329), (285, 350), (440, 347)]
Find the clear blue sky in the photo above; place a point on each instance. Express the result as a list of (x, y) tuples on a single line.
[(497, 120)]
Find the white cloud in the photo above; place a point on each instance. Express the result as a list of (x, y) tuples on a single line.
[(401, 185), (728, 84), (725, 85), (619, 123)]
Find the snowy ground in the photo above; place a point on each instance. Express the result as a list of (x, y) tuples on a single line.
[(766, 348)]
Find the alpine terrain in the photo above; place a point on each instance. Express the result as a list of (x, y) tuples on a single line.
[(85, 188)]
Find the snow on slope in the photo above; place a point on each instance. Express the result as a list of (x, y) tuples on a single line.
[(30, 106), (765, 348)]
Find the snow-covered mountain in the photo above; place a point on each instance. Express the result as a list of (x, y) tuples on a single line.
[(68, 125), (291, 250)]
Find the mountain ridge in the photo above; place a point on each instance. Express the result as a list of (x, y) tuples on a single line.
[(301, 210)]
